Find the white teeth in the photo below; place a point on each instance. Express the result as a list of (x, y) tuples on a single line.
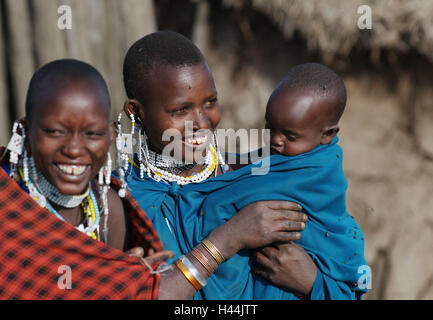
[(72, 169), (197, 141)]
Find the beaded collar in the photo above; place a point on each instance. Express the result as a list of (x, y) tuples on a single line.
[(39, 194), (51, 192), (212, 159), (168, 163)]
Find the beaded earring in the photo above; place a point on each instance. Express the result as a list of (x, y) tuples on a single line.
[(16, 147), (104, 180), (124, 143), (220, 158), (139, 153)]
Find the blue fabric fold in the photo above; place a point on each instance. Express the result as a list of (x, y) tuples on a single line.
[(184, 216)]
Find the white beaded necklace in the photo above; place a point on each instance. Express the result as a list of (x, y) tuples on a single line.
[(51, 192), (158, 174), (40, 194)]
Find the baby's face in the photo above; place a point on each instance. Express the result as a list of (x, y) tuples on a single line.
[(296, 121)]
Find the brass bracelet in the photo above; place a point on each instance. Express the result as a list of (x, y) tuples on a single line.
[(213, 251), (181, 266)]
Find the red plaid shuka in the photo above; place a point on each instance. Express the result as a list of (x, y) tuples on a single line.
[(37, 249)]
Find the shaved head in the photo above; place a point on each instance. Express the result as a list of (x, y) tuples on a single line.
[(58, 75), (319, 80)]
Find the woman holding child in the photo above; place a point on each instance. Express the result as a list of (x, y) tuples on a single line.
[(180, 179), (64, 228)]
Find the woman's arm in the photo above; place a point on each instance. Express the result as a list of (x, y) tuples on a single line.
[(255, 226)]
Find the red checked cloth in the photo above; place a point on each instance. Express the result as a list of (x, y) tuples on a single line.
[(34, 244)]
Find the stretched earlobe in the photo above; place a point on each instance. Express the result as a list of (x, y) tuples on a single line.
[(133, 107)]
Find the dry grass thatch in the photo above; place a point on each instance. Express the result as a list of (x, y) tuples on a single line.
[(331, 27)]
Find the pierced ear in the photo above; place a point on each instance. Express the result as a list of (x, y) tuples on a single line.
[(25, 122), (113, 131), (133, 106), (329, 133)]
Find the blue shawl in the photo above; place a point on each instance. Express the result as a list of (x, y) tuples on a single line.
[(183, 216)]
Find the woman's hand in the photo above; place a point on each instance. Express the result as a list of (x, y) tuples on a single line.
[(286, 265), (260, 224)]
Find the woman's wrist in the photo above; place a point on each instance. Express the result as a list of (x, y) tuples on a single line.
[(223, 239), (200, 263)]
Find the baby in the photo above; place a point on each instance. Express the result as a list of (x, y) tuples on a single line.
[(302, 116), (304, 109)]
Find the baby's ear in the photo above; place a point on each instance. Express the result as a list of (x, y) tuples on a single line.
[(329, 133)]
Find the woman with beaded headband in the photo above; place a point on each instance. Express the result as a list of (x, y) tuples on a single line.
[(62, 222), (173, 101)]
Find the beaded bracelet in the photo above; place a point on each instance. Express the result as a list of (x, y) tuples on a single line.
[(213, 251)]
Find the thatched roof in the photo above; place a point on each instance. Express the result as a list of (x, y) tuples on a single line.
[(331, 27)]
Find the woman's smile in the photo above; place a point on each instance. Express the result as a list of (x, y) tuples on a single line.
[(73, 170)]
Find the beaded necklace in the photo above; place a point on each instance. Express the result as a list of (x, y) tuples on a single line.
[(50, 192), (88, 204), (159, 174), (168, 163)]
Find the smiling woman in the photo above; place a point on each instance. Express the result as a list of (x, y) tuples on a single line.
[(69, 134), (56, 152), (170, 89), (70, 137)]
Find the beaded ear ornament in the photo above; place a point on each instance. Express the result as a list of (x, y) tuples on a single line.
[(104, 180), (16, 147), (124, 146)]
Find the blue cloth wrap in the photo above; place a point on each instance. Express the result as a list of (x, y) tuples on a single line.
[(315, 180)]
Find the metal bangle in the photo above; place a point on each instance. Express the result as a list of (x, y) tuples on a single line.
[(188, 275), (213, 251)]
